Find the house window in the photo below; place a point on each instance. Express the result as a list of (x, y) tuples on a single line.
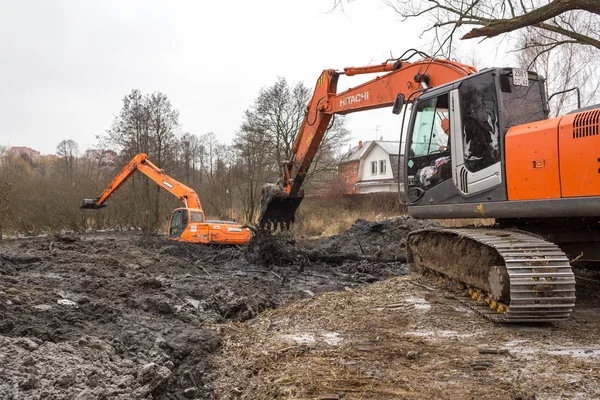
[(373, 167), (354, 169), (382, 167)]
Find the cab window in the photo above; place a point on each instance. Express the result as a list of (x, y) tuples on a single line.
[(429, 161), (196, 216), (429, 134), (479, 113), (179, 222)]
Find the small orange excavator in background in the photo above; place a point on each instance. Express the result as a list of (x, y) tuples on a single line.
[(187, 224)]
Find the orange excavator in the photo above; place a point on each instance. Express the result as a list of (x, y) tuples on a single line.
[(187, 224), (478, 145)]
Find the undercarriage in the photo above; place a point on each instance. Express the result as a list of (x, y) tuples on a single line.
[(511, 276)]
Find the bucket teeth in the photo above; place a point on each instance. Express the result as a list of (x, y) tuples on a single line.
[(277, 208)]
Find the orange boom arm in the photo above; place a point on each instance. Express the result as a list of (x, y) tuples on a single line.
[(377, 93), (402, 77), (141, 163)]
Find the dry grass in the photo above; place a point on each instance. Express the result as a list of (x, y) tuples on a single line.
[(463, 222), (399, 340), (331, 215)]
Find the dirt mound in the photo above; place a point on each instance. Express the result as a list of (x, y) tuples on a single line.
[(269, 249), (103, 316), (384, 240)]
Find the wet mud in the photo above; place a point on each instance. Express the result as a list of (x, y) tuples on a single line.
[(130, 316)]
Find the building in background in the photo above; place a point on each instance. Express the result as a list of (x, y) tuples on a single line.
[(349, 166), (26, 152), (370, 167)]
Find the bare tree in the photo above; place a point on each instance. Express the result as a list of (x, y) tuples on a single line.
[(192, 153), (253, 168), (208, 157), (146, 124), (67, 150), (278, 112), (266, 136), (566, 67), (490, 18)]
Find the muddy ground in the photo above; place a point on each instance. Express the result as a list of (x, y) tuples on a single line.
[(124, 315), (128, 316)]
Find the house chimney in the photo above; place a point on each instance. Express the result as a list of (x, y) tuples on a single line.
[(360, 144)]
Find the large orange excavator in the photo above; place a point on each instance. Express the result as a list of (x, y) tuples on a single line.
[(187, 224), (478, 145)]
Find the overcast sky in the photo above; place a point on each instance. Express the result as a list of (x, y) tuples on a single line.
[(65, 65)]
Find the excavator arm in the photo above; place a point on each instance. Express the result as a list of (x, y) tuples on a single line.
[(141, 163), (280, 201)]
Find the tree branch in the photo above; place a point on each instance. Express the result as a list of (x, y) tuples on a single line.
[(573, 35), (535, 17)]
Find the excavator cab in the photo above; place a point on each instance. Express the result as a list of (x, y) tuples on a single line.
[(465, 164), (189, 225)]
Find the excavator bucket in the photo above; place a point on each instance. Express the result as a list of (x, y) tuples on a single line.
[(277, 208), (91, 204)]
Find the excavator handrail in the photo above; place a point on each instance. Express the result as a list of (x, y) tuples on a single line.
[(141, 163)]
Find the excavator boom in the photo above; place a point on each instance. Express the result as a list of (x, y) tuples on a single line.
[(141, 163), (280, 201)]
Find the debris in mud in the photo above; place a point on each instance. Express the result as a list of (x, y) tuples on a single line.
[(385, 240), (267, 249), (365, 241), (66, 237)]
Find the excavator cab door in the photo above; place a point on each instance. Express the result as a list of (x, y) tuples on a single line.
[(455, 134), (179, 221), (475, 128)]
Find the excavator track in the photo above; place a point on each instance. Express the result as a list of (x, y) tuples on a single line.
[(535, 284)]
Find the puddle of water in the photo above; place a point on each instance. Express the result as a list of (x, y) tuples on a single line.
[(304, 338), (43, 307), (442, 333), (516, 347), (418, 303), (515, 342), (332, 338), (421, 333), (66, 302), (576, 352), (193, 302)]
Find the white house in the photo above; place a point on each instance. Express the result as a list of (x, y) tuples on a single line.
[(377, 167)]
